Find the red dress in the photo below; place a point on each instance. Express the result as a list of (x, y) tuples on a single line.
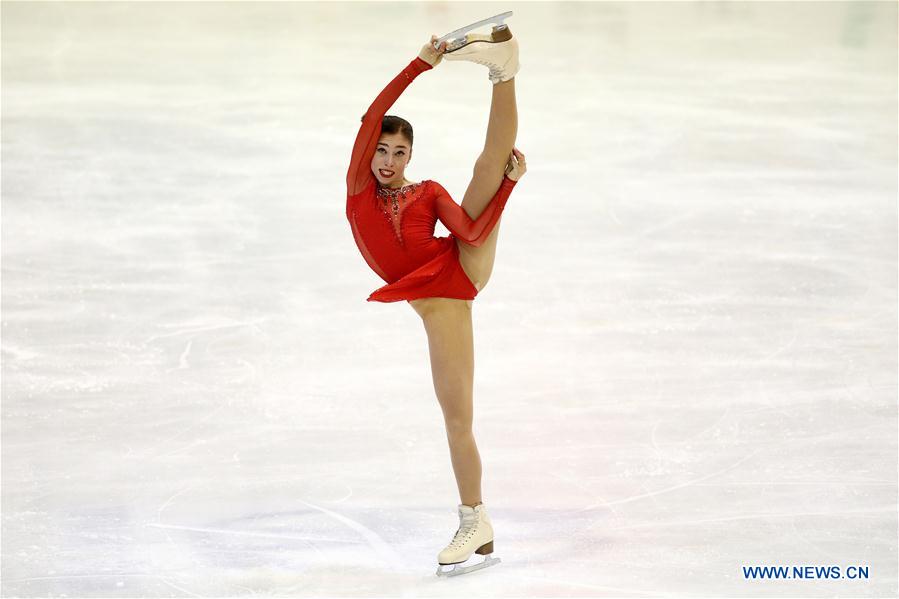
[(394, 228)]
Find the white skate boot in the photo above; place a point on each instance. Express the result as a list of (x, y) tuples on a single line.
[(475, 535), (498, 51)]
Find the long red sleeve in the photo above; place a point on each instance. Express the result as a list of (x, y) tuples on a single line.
[(473, 232), (359, 174)]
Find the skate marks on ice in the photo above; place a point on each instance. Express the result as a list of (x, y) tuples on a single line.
[(284, 549), (381, 548)]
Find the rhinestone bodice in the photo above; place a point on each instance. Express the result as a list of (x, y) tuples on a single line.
[(394, 201)]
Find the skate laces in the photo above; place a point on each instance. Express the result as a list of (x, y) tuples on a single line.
[(466, 529), (495, 71)]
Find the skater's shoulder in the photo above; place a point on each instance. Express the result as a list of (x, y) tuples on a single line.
[(434, 185)]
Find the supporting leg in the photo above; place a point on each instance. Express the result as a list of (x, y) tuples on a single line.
[(451, 345)]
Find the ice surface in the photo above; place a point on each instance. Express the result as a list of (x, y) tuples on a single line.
[(686, 358)]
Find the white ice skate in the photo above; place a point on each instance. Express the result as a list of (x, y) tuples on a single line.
[(498, 51), (475, 535)]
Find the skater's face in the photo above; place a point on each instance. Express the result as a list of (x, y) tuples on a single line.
[(390, 159)]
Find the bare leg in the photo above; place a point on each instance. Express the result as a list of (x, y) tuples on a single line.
[(502, 128), (450, 341)]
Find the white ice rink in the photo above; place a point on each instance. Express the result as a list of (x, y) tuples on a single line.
[(686, 358)]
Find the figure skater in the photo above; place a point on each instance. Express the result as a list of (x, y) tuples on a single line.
[(393, 220)]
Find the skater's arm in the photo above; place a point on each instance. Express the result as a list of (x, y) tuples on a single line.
[(473, 232), (359, 174)]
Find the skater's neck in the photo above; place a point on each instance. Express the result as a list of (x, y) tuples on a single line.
[(405, 183)]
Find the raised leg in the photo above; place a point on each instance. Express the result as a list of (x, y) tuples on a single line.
[(502, 129), (451, 345)]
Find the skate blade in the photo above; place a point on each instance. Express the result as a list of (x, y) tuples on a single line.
[(459, 570), (498, 20)]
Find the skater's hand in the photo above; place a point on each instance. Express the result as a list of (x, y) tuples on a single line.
[(516, 167), (430, 55)]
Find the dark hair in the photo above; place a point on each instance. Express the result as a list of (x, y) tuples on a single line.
[(394, 124)]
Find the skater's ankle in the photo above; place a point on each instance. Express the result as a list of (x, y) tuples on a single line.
[(473, 504)]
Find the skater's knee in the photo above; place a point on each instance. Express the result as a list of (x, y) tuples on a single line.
[(458, 428), (455, 397)]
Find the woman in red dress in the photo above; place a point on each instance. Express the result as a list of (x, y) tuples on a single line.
[(393, 220)]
